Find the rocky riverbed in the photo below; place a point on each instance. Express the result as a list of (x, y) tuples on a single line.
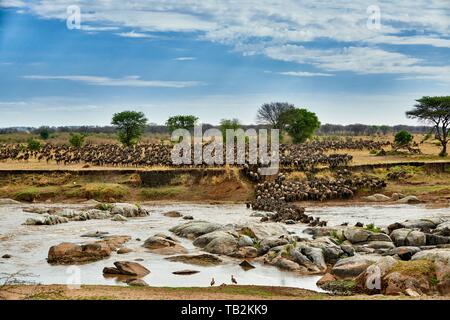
[(188, 245)]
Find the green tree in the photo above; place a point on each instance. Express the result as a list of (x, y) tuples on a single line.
[(44, 133), (436, 111), (403, 138), (130, 125), (33, 144), (187, 122), (77, 140), (300, 124), (225, 124)]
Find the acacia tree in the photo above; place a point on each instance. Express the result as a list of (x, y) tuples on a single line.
[(300, 124), (434, 110), (130, 125), (271, 114), (181, 122)]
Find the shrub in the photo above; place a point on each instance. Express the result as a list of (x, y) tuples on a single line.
[(403, 138), (33, 144), (76, 140)]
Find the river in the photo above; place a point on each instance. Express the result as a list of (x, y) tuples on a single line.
[(28, 245)]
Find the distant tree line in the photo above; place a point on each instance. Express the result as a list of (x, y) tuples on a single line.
[(325, 129), (358, 129)]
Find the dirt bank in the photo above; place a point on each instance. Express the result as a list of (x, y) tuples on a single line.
[(62, 292), (429, 181)]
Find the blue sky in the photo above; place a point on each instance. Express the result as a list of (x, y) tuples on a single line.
[(220, 59)]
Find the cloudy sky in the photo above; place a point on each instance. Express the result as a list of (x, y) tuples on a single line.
[(348, 61)]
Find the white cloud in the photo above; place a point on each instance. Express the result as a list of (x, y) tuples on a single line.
[(361, 60), (97, 28), (262, 26), (130, 81), (185, 58), (305, 74), (133, 34)]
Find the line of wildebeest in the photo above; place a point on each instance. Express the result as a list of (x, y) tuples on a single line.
[(272, 193), (300, 156)]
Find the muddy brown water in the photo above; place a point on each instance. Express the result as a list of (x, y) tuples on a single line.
[(29, 245)]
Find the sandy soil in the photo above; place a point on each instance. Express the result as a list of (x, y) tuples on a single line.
[(41, 292)]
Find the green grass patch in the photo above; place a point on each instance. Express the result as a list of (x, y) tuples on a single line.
[(416, 269), (161, 193), (30, 194), (371, 227), (98, 191)]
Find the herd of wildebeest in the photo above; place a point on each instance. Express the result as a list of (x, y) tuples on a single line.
[(272, 193), (301, 156)]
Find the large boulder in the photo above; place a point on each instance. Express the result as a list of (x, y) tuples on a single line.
[(218, 242), (409, 277), (304, 261), (404, 253), (114, 242), (369, 281), (422, 224), (48, 220), (377, 198), (443, 229), (194, 229), (434, 239), (331, 251), (246, 252), (355, 235), (93, 214), (272, 242), (225, 244), (286, 264), (409, 200), (263, 230), (408, 237), (70, 253), (442, 255), (379, 237), (163, 245), (380, 245), (128, 210), (352, 267), (441, 262), (316, 256), (172, 214), (198, 259), (127, 268), (397, 283)]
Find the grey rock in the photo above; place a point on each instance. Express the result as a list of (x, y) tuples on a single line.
[(353, 266), (244, 241), (408, 237), (355, 235), (194, 229)]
